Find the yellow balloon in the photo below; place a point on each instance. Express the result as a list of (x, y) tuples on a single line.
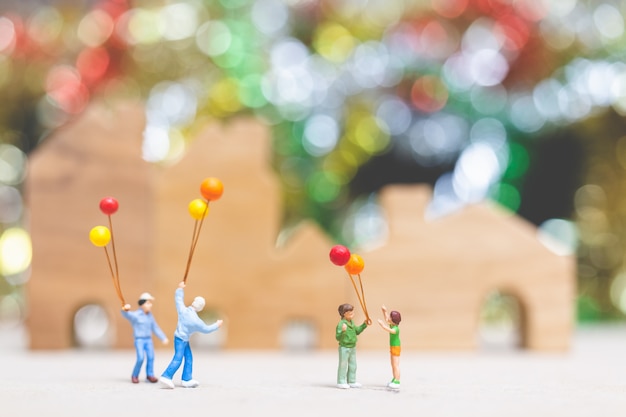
[(100, 236), (198, 208)]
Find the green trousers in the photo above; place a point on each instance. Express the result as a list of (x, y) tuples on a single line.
[(346, 371)]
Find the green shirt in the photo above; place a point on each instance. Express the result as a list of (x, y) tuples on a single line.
[(394, 339), (348, 338)]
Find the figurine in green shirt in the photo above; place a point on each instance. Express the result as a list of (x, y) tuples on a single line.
[(391, 325), (346, 335)]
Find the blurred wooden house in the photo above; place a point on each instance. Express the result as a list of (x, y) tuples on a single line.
[(437, 273)]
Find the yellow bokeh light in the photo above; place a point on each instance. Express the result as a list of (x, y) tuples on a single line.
[(15, 251), (143, 26), (95, 28), (45, 25), (6, 68), (368, 135), (178, 146), (334, 42), (224, 96)]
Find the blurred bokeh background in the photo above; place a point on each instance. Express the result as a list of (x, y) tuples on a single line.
[(521, 102)]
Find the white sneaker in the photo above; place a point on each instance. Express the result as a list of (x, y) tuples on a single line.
[(355, 385), (192, 383), (166, 382), (343, 386), (394, 385)]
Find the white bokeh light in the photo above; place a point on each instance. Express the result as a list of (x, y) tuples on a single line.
[(321, 134)]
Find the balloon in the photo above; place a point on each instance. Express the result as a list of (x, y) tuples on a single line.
[(100, 236), (211, 188), (198, 208), (339, 255), (108, 205), (355, 264)]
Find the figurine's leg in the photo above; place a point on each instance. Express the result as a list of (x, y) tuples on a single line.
[(352, 366), (149, 347), (188, 367), (179, 349), (342, 368), (395, 367), (139, 348)]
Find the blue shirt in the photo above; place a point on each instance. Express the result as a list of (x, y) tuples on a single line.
[(188, 320), (143, 324)]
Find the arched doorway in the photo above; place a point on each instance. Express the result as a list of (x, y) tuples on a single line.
[(92, 327), (501, 322), (299, 335)]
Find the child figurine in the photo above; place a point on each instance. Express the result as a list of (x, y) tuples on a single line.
[(346, 335), (188, 323), (144, 325), (391, 325)]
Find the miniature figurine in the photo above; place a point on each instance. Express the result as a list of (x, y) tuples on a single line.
[(144, 325), (188, 323), (346, 335), (391, 325)]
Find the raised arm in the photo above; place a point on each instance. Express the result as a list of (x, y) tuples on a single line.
[(386, 327), (179, 297), (127, 314), (385, 314)]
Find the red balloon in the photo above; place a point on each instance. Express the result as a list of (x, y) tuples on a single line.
[(339, 255), (108, 205)]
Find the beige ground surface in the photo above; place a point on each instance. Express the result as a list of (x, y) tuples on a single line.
[(588, 381)]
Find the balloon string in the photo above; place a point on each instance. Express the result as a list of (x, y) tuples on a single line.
[(359, 297), (194, 240), (117, 272), (115, 284), (363, 295), (193, 237)]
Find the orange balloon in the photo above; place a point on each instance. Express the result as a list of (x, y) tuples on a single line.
[(198, 208), (355, 265), (211, 188)]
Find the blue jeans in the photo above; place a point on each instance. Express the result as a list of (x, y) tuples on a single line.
[(181, 350), (144, 345)]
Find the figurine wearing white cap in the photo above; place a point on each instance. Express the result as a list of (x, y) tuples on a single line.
[(188, 323), (144, 325)]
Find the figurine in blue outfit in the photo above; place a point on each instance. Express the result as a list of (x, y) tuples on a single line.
[(144, 325), (188, 323)]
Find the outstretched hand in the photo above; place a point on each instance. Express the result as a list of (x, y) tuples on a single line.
[(219, 323), (126, 307), (368, 322), (181, 284)]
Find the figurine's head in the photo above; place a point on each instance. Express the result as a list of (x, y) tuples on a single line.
[(145, 302), (395, 317), (198, 303), (346, 311)]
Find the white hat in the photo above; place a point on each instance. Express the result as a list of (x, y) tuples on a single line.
[(198, 303), (146, 296)]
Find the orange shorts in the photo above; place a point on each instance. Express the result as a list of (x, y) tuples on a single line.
[(395, 350)]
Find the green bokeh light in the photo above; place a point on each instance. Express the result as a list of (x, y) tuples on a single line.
[(323, 187), (508, 196), (518, 161)]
